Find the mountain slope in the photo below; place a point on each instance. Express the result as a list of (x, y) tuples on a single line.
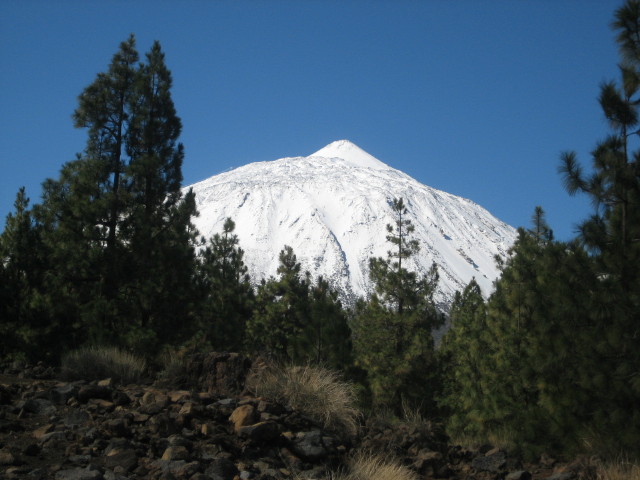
[(332, 208)]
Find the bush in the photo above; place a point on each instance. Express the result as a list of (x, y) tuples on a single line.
[(366, 466), (96, 363), (314, 391), (619, 470), (174, 373)]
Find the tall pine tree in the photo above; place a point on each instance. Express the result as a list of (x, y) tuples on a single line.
[(115, 224), (282, 309), (392, 330), (228, 295), (325, 338), (25, 326), (502, 378), (158, 231), (82, 210), (463, 354), (612, 232)]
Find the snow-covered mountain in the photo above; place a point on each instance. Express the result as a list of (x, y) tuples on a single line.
[(332, 208)]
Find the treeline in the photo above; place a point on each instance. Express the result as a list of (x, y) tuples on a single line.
[(551, 360), (110, 257)]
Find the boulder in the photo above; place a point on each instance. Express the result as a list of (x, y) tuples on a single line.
[(39, 406), (260, 432), (89, 473), (221, 469), (53, 438), (219, 373), (163, 425), (61, 395), (176, 453), (120, 398), (7, 458), (242, 416), (117, 427), (518, 475), (77, 417), (492, 461), (87, 392), (42, 431), (310, 445), (126, 459)]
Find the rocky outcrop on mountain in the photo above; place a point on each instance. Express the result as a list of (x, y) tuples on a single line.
[(51, 429)]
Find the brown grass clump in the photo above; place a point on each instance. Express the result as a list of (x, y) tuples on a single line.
[(314, 391), (619, 470), (97, 363), (365, 466), (174, 373)]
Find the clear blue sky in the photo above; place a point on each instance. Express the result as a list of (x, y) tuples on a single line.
[(477, 98)]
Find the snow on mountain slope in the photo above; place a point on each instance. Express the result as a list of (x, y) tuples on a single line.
[(332, 208)]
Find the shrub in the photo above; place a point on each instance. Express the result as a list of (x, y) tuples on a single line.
[(314, 391), (174, 373), (172, 368), (619, 470), (365, 466), (95, 363)]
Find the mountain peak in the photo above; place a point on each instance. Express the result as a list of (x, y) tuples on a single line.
[(333, 209), (350, 153)]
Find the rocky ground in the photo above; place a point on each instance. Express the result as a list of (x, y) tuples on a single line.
[(53, 429)]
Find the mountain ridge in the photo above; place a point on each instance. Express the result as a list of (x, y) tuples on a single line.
[(333, 212)]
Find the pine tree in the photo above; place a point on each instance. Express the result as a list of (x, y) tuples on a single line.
[(116, 226), (392, 338), (393, 282), (24, 325), (104, 109), (464, 352), (282, 309), (229, 296), (540, 229), (557, 305), (502, 376), (612, 234), (539, 318), (83, 209), (326, 337), (158, 230)]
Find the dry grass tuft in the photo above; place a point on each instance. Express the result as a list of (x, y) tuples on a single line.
[(503, 439), (97, 363), (314, 391), (174, 373), (619, 470), (365, 466), (412, 416)]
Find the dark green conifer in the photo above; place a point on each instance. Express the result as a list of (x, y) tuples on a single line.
[(116, 227), (227, 289), (282, 309), (612, 234), (24, 321), (463, 353), (158, 231), (326, 337), (299, 320), (392, 331)]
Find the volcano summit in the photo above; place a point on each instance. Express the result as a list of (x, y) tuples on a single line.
[(332, 208)]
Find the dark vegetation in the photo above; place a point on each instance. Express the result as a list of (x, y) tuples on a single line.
[(550, 361)]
